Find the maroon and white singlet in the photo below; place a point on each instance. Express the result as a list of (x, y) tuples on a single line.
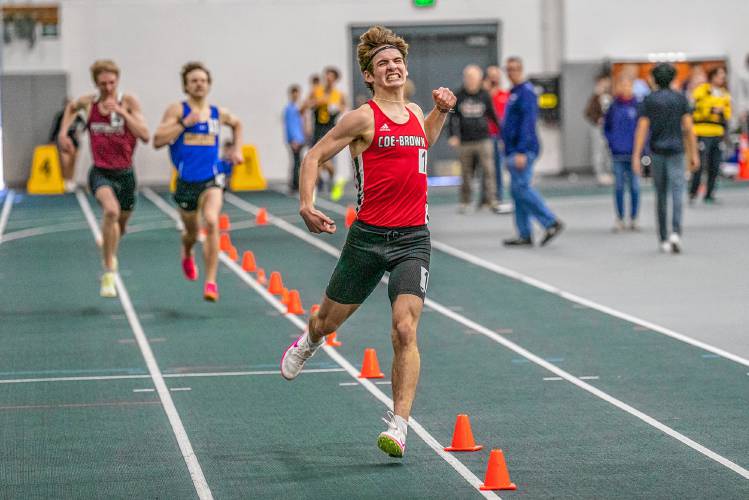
[(391, 174), (112, 143)]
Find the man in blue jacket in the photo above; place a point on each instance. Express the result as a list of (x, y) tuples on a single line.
[(292, 120), (521, 149)]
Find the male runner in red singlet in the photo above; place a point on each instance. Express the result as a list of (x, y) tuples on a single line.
[(115, 122), (388, 140)]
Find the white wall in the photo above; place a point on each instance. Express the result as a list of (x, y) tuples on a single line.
[(254, 49), (597, 29)]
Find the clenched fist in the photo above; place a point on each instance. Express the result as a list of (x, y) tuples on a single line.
[(444, 99)]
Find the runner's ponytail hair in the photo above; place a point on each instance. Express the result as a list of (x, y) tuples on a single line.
[(375, 39)]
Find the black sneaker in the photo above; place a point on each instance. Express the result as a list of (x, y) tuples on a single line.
[(552, 232), (518, 242)]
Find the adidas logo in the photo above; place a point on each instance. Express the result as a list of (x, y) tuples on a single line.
[(384, 128)]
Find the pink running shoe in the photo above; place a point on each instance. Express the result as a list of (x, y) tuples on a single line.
[(210, 292), (189, 268)]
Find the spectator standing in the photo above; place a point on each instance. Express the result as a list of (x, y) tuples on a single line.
[(521, 150), (619, 127), (595, 110), (665, 114), (499, 96), (469, 133), (712, 111), (292, 118)]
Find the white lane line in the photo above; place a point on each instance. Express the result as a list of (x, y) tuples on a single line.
[(383, 383), (143, 390), (553, 378), (432, 442), (180, 389), (346, 384), (163, 206), (166, 375), (590, 377), (196, 472), (581, 301), (38, 231), (581, 378), (7, 205), (445, 311)]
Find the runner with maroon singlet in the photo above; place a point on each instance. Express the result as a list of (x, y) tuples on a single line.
[(388, 140), (115, 122)]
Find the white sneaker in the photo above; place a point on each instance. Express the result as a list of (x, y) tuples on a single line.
[(675, 243), (296, 355), (393, 440), (618, 226), (665, 247), (108, 288)]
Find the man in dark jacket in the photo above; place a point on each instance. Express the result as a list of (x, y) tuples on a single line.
[(619, 127), (469, 132), (521, 149)]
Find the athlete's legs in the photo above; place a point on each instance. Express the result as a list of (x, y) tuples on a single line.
[(110, 225), (331, 315), (406, 361), (190, 233), (124, 217), (211, 201)]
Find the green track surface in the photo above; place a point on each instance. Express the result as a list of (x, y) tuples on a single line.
[(261, 436)]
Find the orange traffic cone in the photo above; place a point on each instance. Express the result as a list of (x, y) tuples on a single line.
[(262, 217), (233, 254), (497, 476), (463, 436), (248, 261), (350, 215), (285, 296), (331, 340), (223, 222), (276, 285), (294, 305), (371, 367), (261, 276), (224, 243)]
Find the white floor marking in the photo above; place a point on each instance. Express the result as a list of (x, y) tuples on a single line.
[(180, 389), (445, 311), (438, 448), (7, 205), (144, 390), (165, 375), (460, 254), (196, 472)]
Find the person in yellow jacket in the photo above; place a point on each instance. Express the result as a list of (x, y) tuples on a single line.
[(712, 111)]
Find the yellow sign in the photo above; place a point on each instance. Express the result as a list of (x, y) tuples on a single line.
[(46, 174), (248, 176), (548, 101)]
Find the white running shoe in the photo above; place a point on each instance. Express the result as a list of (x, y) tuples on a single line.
[(675, 243), (296, 355), (665, 247), (393, 440), (108, 288)]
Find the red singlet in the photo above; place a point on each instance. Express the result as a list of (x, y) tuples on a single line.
[(391, 174), (112, 143)]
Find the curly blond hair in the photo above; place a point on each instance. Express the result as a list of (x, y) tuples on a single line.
[(369, 42)]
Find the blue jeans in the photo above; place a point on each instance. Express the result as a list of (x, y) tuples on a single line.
[(625, 179), (528, 203), (668, 175), (498, 153)]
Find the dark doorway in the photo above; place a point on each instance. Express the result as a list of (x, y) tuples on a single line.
[(437, 55)]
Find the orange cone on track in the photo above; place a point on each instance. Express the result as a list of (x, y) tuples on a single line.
[(224, 242), (285, 296), (223, 222), (463, 436), (233, 254), (497, 476), (371, 367), (331, 340), (262, 217), (294, 305), (350, 216), (261, 276), (276, 285), (248, 262)]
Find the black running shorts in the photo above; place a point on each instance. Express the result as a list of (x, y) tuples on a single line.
[(122, 183), (370, 251), (187, 194)]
